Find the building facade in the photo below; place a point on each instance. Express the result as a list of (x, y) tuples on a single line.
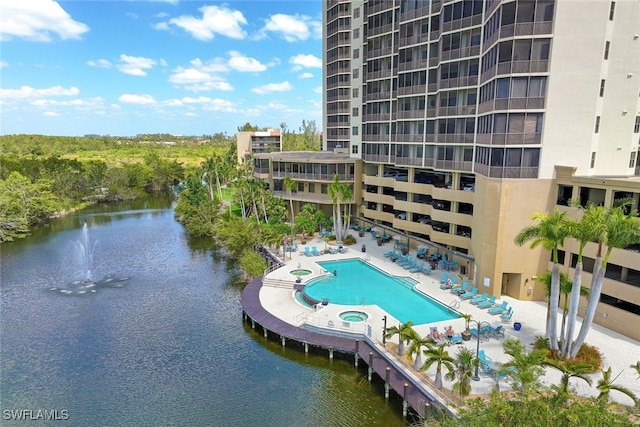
[(470, 116), (250, 143), (313, 172)]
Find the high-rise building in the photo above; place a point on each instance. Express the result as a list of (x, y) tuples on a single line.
[(469, 116)]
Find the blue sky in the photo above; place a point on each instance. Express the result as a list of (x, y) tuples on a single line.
[(182, 67)]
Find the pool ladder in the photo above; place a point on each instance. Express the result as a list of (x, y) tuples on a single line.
[(454, 304), (362, 303)]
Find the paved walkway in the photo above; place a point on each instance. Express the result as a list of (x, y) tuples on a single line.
[(619, 352)]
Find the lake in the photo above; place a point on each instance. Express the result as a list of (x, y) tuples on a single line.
[(126, 321)]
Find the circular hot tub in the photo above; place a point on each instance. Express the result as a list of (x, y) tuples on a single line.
[(354, 316), (301, 272)]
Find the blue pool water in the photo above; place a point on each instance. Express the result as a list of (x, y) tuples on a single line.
[(359, 283)]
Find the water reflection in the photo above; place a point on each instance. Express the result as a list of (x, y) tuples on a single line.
[(166, 348)]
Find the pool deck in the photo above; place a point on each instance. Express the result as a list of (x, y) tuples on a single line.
[(273, 299)]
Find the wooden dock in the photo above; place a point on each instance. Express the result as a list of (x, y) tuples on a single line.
[(403, 384)]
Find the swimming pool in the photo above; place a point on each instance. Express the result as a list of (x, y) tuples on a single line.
[(359, 283)]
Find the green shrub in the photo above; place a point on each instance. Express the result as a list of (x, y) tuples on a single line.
[(349, 240)]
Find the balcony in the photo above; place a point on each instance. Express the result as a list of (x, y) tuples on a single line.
[(377, 215), (458, 82), (526, 29), (519, 67), (379, 180), (462, 52), (459, 110), (410, 114), (412, 90)]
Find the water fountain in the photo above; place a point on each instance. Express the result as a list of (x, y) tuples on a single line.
[(83, 253)]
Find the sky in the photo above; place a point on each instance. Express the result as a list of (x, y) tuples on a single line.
[(184, 67)]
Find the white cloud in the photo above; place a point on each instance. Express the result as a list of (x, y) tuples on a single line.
[(35, 20), (135, 65), (87, 103), (161, 26), (292, 28), (130, 98), (305, 61), (26, 92), (305, 76), (318, 89), (100, 63), (215, 20), (242, 63), (51, 114), (201, 76), (4, 64), (272, 87), (276, 106)]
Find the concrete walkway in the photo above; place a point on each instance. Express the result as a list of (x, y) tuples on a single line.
[(619, 352)]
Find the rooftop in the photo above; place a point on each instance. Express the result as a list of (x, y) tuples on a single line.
[(307, 156)]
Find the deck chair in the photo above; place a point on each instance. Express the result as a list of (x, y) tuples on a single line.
[(314, 251), (506, 315), (497, 331), (470, 294), (307, 252), (444, 278), (488, 303), (499, 309), (482, 334), (427, 270), (478, 300), (461, 289), (417, 268)]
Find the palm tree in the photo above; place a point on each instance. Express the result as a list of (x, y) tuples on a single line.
[(566, 286), (589, 228), (550, 232), (465, 362), (416, 343), (290, 185), (524, 368), (347, 195), (622, 230), (636, 367), (338, 193), (208, 168), (605, 385), (440, 357), (404, 331), (568, 372)]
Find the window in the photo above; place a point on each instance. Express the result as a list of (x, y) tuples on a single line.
[(354, 111), (356, 53), (597, 129), (354, 149), (356, 33), (612, 10), (324, 188), (636, 126), (593, 159), (301, 187), (607, 45), (356, 73), (602, 82), (355, 92), (354, 130), (356, 12), (632, 159), (312, 187)]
